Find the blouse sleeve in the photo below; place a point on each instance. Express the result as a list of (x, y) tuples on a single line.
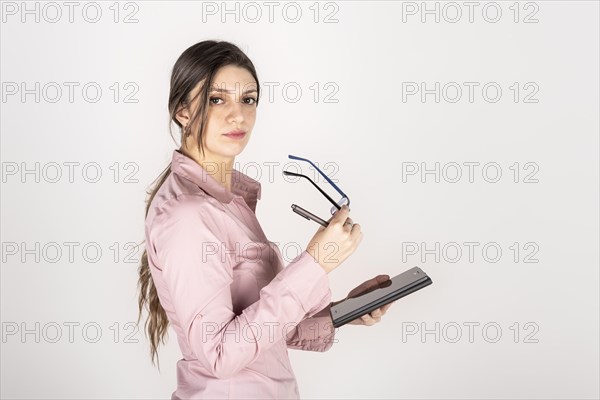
[(197, 271), (315, 333)]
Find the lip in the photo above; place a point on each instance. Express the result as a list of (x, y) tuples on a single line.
[(235, 134)]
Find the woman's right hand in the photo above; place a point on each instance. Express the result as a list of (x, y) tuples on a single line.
[(331, 245)]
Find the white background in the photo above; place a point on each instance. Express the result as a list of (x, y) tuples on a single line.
[(368, 52)]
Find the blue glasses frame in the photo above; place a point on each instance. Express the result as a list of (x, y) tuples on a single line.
[(337, 205)]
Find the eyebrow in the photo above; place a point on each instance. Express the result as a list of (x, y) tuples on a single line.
[(220, 90)]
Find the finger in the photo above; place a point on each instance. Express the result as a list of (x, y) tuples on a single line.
[(355, 232), (340, 216), (348, 223), (376, 313), (332, 218), (382, 278), (367, 320)]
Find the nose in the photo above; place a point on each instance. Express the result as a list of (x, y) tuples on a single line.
[(236, 112)]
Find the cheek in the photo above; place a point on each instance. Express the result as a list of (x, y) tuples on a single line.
[(212, 128), (250, 115)]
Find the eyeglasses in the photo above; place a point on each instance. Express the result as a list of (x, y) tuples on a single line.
[(336, 205)]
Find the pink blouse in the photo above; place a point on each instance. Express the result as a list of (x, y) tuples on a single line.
[(234, 306)]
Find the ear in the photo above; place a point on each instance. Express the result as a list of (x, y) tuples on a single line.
[(183, 115)]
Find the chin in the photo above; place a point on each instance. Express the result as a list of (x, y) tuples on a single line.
[(233, 152)]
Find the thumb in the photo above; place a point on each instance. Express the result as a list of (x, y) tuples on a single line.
[(378, 280), (372, 283)]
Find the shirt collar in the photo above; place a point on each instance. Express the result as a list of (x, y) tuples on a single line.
[(241, 184)]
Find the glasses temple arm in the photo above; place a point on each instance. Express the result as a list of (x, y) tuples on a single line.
[(315, 185), (320, 172)]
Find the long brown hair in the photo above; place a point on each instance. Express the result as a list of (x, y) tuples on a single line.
[(199, 63)]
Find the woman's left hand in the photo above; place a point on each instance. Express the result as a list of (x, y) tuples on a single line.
[(374, 316)]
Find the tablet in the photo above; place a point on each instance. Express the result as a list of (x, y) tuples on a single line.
[(399, 286)]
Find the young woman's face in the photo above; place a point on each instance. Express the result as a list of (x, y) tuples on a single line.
[(231, 107)]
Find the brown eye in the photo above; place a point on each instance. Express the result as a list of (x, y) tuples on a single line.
[(214, 98), (253, 100)]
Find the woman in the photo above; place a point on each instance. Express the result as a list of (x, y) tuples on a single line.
[(208, 268)]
